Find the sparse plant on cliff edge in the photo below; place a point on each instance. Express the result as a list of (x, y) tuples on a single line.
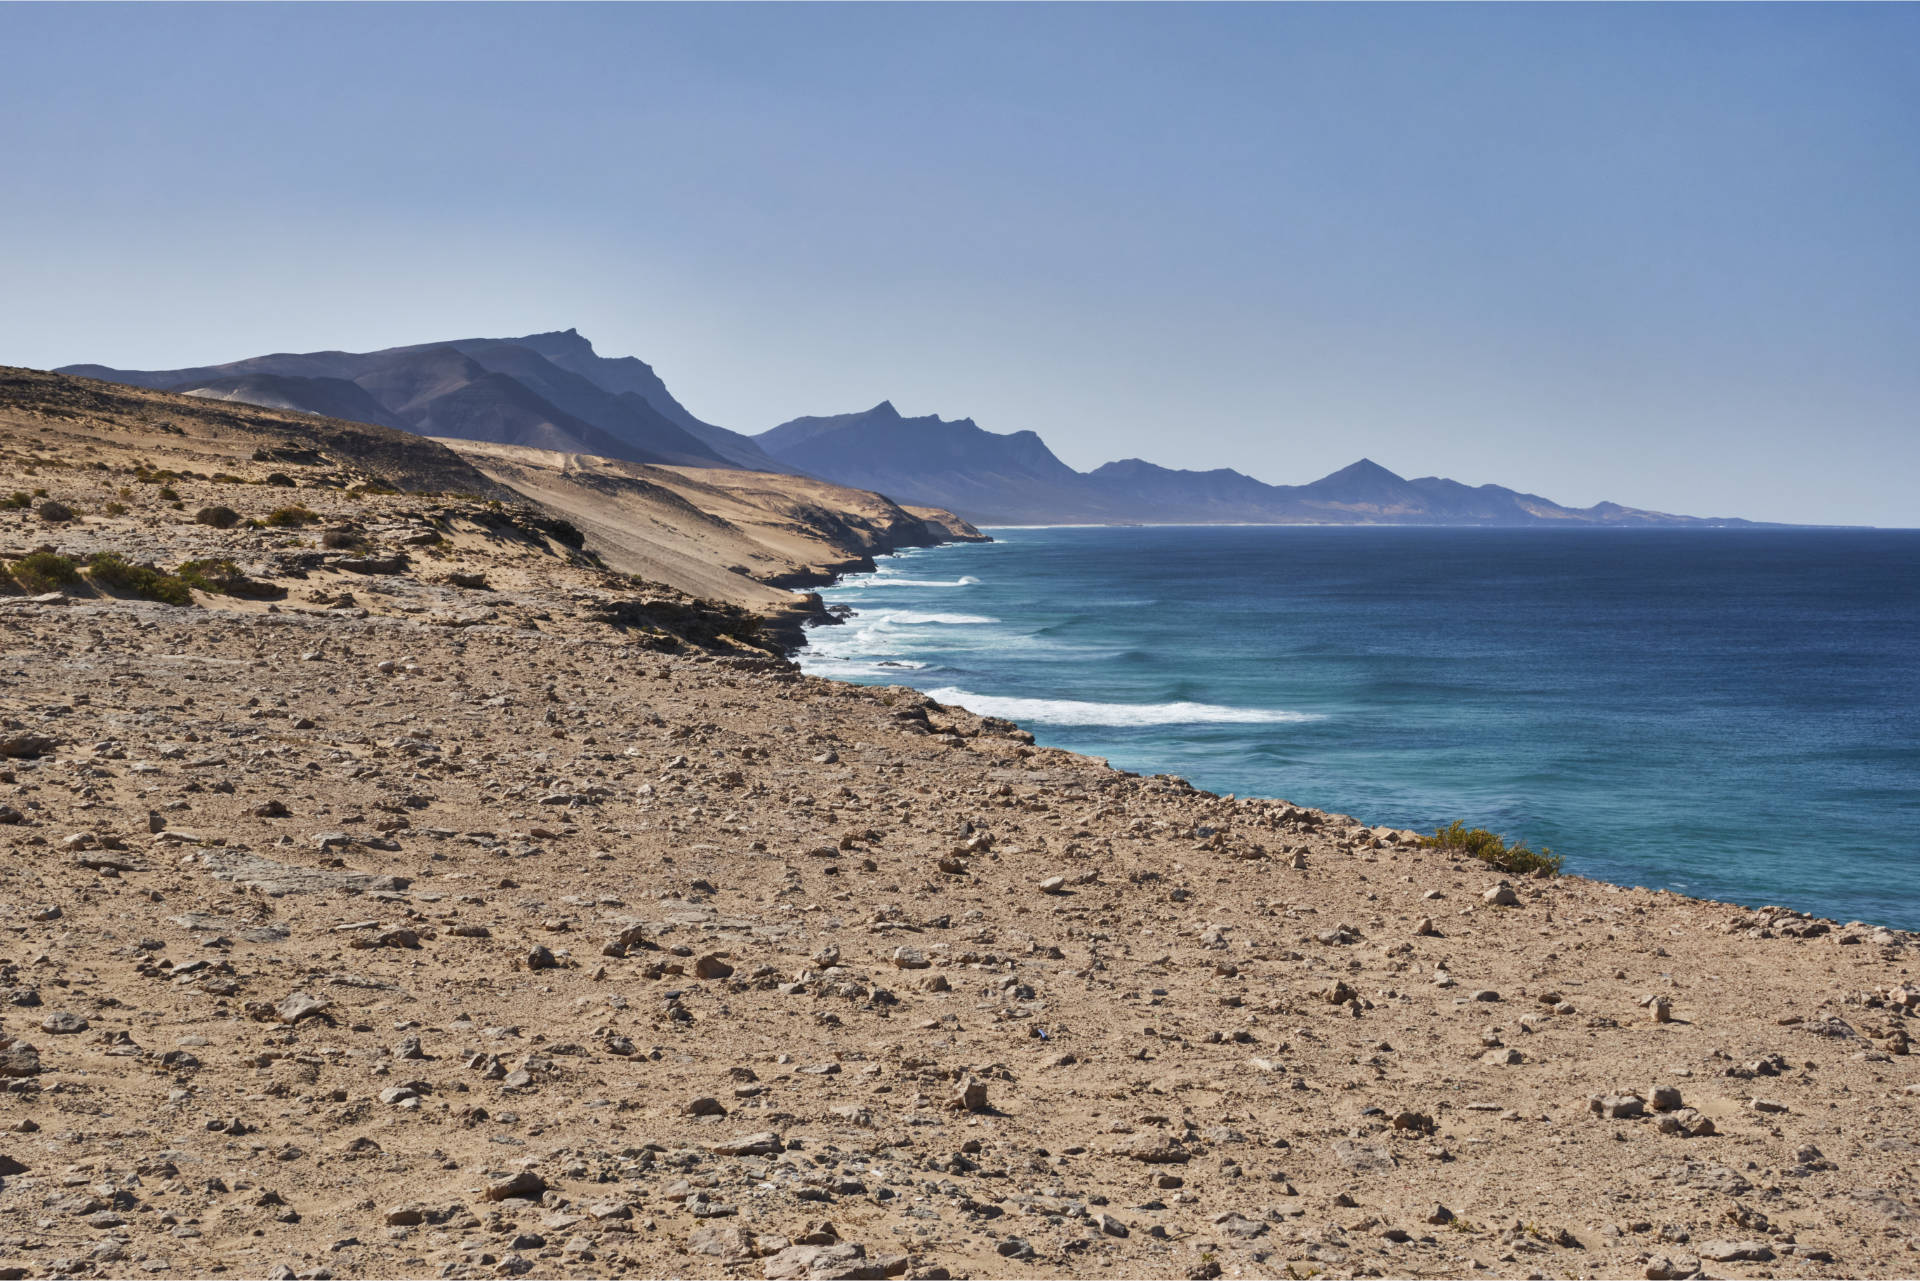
[(1491, 848)]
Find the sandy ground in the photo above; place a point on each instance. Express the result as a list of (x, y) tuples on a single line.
[(468, 932)]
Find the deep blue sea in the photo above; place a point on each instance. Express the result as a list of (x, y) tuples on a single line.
[(1728, 713)]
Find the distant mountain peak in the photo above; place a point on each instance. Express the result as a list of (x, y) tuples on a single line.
[(884, 409), (1364, 468)]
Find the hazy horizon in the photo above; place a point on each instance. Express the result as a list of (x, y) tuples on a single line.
[(1661, 256)]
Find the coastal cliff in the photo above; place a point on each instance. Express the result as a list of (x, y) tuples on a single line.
[(452, 899)]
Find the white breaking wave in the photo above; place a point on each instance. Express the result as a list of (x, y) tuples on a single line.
[(908, 618), (1060, 711), (861, 584)]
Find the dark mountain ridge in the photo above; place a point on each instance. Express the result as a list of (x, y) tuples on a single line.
[(547, 390), (553, 391), (1013, 479)]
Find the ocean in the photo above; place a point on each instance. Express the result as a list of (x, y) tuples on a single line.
[(1733, 714)]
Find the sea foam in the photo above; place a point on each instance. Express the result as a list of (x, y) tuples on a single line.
[(1061, 711), (907, 618)]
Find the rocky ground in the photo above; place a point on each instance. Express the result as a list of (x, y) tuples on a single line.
[(366, 924)]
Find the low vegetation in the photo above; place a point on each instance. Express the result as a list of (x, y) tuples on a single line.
[(290, 517), (40, 572), (117, 575), (221, 577), (1491, 848)]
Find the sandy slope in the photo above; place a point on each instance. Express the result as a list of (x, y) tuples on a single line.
[(725, 535)]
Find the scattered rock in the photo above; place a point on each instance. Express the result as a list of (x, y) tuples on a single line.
[(524, 1184), (298, 1006)]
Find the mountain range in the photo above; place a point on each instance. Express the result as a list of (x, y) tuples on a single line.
[(553, 391), (550, 390)]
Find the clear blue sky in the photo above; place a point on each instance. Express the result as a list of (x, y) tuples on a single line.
[(1668, 255)]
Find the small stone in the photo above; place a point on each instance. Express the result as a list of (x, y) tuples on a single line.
[(1501, 895), (297, 1006), (910, 958), (1054, 885), (730, 1244), (705, 1106), (760, 1143), (1664, 1098), (711, 966), (971, 1096), (541, 958), (525, 1185), (1766, 1105), (1110, 1226), (1155, 1149), (1661, 1009), (1617, 1106), (61, 1023)]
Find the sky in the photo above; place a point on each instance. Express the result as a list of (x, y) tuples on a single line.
[(1663, 255)]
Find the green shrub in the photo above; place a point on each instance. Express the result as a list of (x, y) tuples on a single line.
[(117, 575), (1490, 848), (290, 517), (169, 493), (18, 500), (115, 509), (44, 572), (222, 577)]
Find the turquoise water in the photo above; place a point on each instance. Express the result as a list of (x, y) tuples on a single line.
[(1729, 713)]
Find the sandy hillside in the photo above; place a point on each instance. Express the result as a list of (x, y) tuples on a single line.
[(728, 535), (447, 902)]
